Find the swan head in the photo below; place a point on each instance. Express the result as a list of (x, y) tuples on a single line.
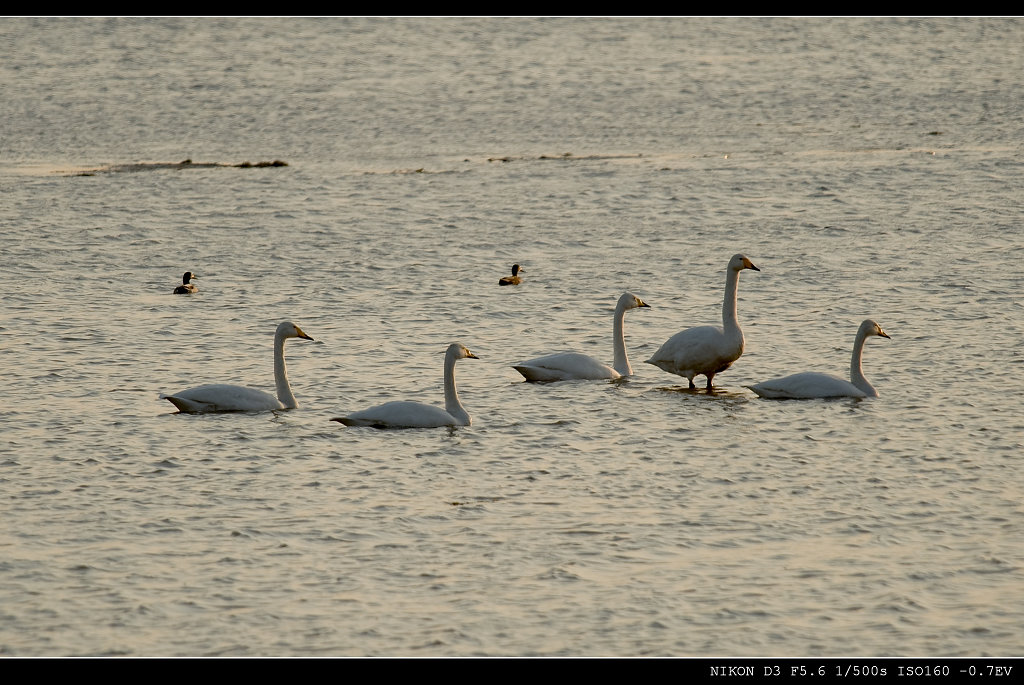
[(740, 262), (631, 301), (516, 269), (869, 327), (286, 329), (460, 351), (188, 277)]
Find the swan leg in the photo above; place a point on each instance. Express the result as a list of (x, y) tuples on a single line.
[(692, 386), (709, 380)]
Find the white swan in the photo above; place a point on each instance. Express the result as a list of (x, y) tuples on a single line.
[(514, 278), (186, 287), (707, 350), (569, 366), (220, 397), (403, 414), (810, 384)]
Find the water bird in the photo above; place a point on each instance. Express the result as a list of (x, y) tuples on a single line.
[(407, 414), (565, 366), (811, 385), (707, 350), (514, 278), (186, 286), (222, 397)]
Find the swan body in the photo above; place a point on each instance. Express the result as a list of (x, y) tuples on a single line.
[(514, 278), (186, 287), (218, 397), (811, 385), (568, 366), (406, 414), (707, 350)]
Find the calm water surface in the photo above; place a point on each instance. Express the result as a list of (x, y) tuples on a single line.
[(870, 168)]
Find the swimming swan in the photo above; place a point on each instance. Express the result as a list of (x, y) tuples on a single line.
[(403, 414), (707, 350), (186, 287), (567, 366), (810, 384), (514, 278), (220, 397)]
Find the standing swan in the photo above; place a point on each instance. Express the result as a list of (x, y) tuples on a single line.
[(186, 287), (567, 366), (707, 350), (810, 384), (514, 278), (403, 414), (220, 397)]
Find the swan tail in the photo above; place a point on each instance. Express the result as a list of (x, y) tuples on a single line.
[(537, 374), (181, 404)]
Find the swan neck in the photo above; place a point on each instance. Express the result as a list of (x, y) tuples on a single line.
[(621, 359), (452, 404), (730, 322), (284, 389), (856, 371)]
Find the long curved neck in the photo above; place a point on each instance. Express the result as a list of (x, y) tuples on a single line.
[(621, 359), (856, 372), (731, 324), (284, 390), (452, 405)]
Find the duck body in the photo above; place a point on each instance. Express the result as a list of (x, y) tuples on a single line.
[(708, 350), (187, 287), (408, 414), (514, 279), (575, 366)]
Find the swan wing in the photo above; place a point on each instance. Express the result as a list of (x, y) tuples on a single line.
[(565, 366), (220, 397), (697, 351), (400, 414), (808, 385)]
